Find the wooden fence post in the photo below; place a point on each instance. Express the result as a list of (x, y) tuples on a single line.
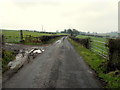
[(21, 36), (114, 55), (3, 40)]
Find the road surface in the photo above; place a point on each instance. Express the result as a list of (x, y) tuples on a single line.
[(60, 66)]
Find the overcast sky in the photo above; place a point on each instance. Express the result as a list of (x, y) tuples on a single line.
[(84, 15)]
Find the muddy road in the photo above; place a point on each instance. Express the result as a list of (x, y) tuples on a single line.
[(60, 66)]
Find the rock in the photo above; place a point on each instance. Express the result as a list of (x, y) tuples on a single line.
[(24, 56), (42, 50), (19, 61), (37, 51)]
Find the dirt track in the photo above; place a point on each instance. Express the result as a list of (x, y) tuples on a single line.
[(59, 66)]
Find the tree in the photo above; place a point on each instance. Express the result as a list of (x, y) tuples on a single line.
[(70, 32), (75, 32)]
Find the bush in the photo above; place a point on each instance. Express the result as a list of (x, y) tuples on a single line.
[(84, 42), (114, 55)]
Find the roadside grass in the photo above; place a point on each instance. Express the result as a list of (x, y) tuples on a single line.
[(98, 64), (7, 56), (98, 44)]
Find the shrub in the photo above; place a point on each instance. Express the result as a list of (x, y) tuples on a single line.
[(114, 55)]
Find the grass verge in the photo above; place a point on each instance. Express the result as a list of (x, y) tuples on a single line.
[(98, 64), (7, 56)]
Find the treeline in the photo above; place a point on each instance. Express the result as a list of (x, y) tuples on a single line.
[(41, 32), (72, 32), (75, 32)]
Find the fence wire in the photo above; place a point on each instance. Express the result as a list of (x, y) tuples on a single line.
[(100, 48)]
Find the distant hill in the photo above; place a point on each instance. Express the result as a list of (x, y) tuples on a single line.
[(111, 34)]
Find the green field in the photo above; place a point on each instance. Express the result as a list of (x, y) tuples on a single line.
[(97, 44), (17, 33), (13, 36)]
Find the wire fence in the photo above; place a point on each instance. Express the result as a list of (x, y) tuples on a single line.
[(99, 45), (100, 48)]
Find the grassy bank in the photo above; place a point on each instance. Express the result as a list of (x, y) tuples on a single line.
[(98, 64), (97, 44), (7, 56)]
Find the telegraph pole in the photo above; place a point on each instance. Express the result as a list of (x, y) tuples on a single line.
[(42, 28)]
